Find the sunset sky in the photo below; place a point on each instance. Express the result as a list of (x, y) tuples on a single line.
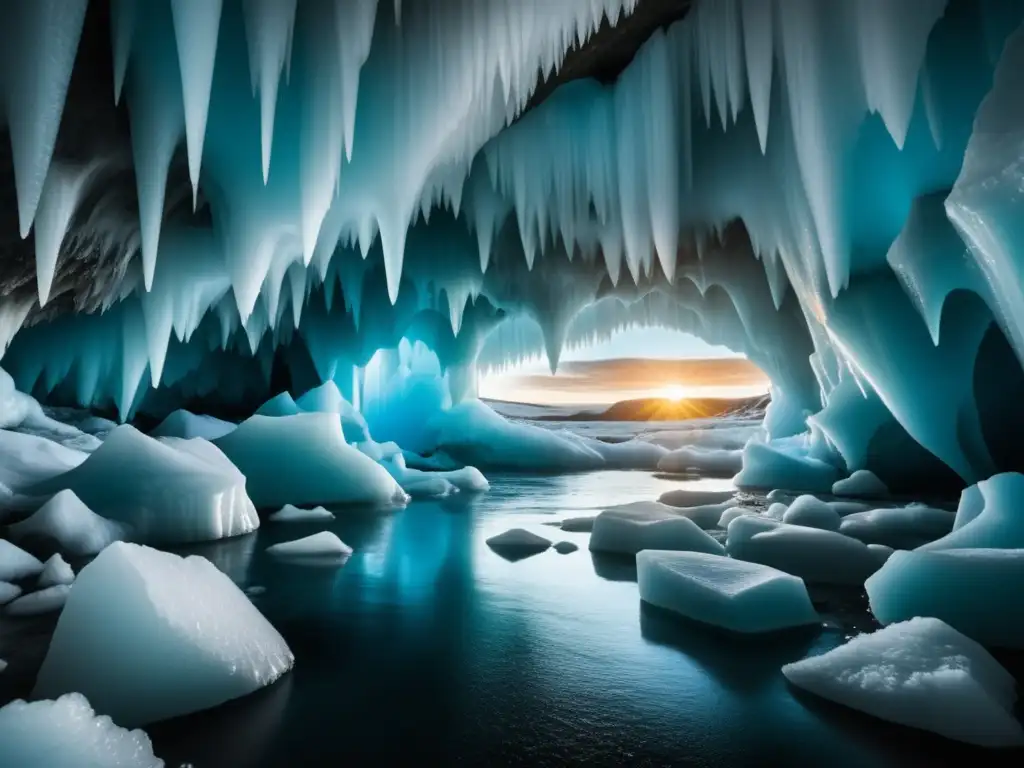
[(635, 364)]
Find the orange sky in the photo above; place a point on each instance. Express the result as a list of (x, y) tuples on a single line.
[(599, 382)]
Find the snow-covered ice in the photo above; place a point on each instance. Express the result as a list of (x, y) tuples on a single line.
[(46, 600), (304, 460), (55, 572), (731, 594), (630, 528), (289, 513), (324, 545), (69, 524), (148, 635), (921, 673), (166, 490), (973, 590), (66, 733)]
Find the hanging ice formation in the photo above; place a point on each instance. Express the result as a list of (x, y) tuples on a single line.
[(831, 188)]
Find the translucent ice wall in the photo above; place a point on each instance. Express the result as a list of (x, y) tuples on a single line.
[(832, 189)]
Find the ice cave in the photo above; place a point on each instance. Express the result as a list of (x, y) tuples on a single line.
[(256, 508)]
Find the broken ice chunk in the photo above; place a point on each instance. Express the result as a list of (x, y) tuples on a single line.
[(726, 593), (921, 673)]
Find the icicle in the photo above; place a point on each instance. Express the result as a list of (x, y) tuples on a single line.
[(758, 47), (122, 29), (61, 194), (269, 26), (196, 27), (41, 43)]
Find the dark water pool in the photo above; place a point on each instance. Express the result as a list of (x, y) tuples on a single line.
[(428, 648)]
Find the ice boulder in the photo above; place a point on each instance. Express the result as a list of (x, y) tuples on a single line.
[(629, 454), (473, 433), (921, 673), (782, 465), (8, 592), (65, 522), (705, 461), (289, 513), (974, 590), (26, 460), (988, 516), (577, 524), (187, 425), (565, 547), (732, 513), (327, 398), (726, 593), (281, 404), (304, 460), (704, 515), (812, 554), (324, 545), (517, 543), (428, 485), (898, 527), (688, 497), (66, 733), (862, 484), (167, 490), (630, 528), (37, 603), (55, 572), (16, 563), (812, 512), (467, 480), (147, 635)]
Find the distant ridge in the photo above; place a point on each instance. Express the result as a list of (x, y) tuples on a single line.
[(660, 409)]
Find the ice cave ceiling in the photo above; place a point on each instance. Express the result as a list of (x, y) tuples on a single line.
[(206, 201)]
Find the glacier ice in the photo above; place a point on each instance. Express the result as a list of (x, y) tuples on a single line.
[(66, 731), (166, 491), (731, 594), (69, 524), (179, 637), (921, 673), (289, 513), (833, 195), (643, 525), (320, 546), (304, 459), (952, 585), (56, 572)]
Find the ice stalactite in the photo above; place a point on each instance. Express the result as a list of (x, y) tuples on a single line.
[(831, 190)]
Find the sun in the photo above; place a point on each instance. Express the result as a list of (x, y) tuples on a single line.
[(674, 392)]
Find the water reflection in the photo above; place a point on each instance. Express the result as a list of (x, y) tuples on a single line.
[(428, 644)]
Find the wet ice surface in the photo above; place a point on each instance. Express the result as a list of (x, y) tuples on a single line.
[(426, 642)]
